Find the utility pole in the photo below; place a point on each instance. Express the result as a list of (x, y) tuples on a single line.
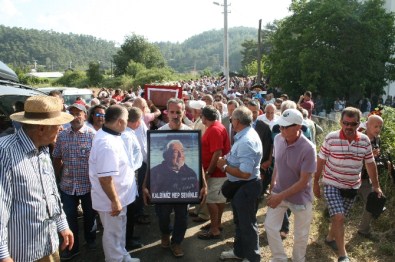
[(259, 75), (226, 45)]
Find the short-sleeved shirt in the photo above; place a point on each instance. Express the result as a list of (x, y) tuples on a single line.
[(74, 149), (246, 154), (309, 106), (344, 159), (291, 161), (215, 138), (108, 157)]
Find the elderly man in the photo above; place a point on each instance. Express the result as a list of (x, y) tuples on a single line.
[(226, 121), (265, 136), (215, 143), (70, 159), (30, 207), (373, 129), (269, 117), (113, 183), (242, 165), (200, 213), (176, 112), (341, 159), (291, 186)]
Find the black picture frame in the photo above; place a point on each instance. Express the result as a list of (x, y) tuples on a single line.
[(168, 186)]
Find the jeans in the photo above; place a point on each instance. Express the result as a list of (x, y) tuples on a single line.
[(302, 220), (180, 220), (70, 204), (245, 206)]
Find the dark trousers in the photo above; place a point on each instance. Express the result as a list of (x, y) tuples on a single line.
[(180, 220), (70, 204), (245, 206), (285, 225), (130, 220), (139, 203)]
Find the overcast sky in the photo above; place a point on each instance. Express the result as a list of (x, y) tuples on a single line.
[(156, 20)]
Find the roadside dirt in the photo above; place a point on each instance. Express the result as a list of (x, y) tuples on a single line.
[(197, 250)]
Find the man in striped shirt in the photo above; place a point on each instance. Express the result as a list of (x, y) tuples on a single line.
[(340, 160), (30, 207)]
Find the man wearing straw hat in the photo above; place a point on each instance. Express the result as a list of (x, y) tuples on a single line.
[(30, 206)]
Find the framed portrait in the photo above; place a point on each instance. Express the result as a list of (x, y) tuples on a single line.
[(174, 166), (160, 94)]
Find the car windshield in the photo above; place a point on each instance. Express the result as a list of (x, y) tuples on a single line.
[(70, 99)]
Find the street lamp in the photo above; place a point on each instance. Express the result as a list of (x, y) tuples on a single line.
[(226, 46)]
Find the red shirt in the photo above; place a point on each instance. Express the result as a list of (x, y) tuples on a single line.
[(213, 139)]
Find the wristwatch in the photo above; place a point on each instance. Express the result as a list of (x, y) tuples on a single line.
[(224, 167)]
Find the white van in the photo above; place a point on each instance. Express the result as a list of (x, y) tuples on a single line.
[(70, 94)]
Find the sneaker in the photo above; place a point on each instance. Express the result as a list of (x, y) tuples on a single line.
[(229, 255), (177, 250), (343, 259), (68, 255), (165, 241), (128, 258)]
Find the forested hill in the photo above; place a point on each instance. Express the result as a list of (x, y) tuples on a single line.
[(54, 51), (206, 50)]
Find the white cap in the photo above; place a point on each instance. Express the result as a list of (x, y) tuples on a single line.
[(290, 117), (197, 104)]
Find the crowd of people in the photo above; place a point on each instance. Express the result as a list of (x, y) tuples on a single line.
[(254, 144)]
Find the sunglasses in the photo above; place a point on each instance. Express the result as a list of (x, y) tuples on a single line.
[(99, 115), (350, 123), (286, 127)]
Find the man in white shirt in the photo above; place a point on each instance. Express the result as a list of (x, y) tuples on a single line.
[(113, 183), (269, 117)]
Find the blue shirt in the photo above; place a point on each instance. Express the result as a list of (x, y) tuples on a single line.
[(30, 206), (246, 154), (132, 148)]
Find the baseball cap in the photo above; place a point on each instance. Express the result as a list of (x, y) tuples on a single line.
[(78, 106), (290, 117)]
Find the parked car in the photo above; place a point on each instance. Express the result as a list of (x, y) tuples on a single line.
[(12, 95), (70, 94)]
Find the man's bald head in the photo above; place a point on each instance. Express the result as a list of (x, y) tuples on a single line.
[(375, 119), (374, 126)]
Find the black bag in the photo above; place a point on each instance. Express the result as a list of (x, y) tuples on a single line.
[(229, 189), (348, 193), (375, 205)]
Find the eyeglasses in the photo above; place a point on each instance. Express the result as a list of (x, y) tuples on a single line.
[(286, 127), (99, 115), (350, 123)]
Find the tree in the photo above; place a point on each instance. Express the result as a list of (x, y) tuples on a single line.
[(334, 48), (94, 75), (139, 50)]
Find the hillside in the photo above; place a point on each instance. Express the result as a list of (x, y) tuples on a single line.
[(51, 50), (206, 50), (54, 51)]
